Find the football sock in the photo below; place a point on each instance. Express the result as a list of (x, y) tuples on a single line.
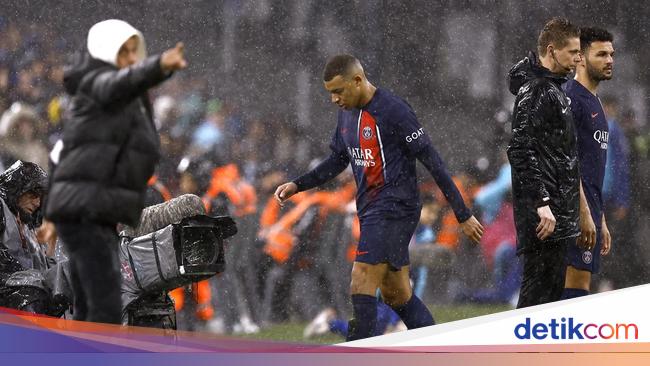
[(414, 313), (364, 323), (570, 293)]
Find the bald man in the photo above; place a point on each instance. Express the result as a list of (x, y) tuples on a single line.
[(380, 136)]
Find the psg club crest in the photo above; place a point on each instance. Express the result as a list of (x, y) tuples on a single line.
[(587, 257), (367, 133)]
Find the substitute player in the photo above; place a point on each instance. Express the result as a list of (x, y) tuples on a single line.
[(380, 136), (591, 126)]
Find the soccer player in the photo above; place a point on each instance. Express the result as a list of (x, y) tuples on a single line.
[(591, 126), (380, 136), (544, 160)]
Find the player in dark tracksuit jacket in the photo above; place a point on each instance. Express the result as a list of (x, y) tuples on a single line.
[(379, 135), (592, 130)]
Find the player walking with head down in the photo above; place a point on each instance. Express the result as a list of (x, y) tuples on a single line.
[(591, 126), (380, 136)]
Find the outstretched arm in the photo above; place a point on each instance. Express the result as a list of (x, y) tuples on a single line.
[(122, 85)]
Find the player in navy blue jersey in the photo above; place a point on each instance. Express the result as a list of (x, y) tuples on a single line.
[(583, 258), (380, 136)]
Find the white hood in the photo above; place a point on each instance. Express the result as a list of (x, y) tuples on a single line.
[(107, 37)]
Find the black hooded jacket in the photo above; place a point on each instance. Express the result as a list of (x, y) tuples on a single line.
[(110, 144), (542, 153)]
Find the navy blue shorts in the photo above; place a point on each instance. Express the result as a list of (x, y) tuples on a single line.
[(386, 240), (585, 260)]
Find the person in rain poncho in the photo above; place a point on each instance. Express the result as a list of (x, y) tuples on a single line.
[(22, 187)]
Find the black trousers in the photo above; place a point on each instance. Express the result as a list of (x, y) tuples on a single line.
[(544, 272), (94, 269)]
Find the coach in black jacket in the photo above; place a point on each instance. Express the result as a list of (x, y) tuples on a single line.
[(543, 155), (108, 152)]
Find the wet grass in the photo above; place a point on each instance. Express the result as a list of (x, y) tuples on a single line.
[(292, 332)]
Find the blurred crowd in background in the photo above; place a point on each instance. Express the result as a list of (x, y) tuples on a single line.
[(290, 263)]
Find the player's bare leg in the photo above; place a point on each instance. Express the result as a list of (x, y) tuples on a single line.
[(366, 278), (397, 293), (576, 283), (396, 287)]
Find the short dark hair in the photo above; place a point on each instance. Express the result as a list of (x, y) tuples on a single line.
[(557, 31), (589, 35), (338, 65)]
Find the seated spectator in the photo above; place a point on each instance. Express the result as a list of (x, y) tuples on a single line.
[(19, 137), (22, 187)]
